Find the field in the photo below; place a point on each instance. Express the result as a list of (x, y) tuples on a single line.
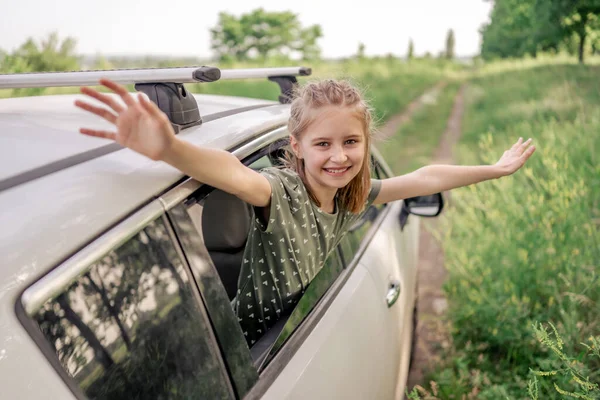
[(522, 252)]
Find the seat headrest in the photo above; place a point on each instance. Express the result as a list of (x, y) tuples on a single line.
[(226, 221)]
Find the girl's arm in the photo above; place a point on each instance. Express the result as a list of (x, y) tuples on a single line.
[(438, 178), (144, 128)]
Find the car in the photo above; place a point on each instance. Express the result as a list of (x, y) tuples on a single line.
[(118, 272)]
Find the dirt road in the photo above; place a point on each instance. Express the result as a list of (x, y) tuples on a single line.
[(431, 331)]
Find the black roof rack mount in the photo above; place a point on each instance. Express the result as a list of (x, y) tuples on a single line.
[(163, 86)]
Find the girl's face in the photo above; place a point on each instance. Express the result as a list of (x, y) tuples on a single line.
[(333, 149)]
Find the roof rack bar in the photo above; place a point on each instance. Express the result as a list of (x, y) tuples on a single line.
[(263, 72), (144, 75), (163, 86), (123, 76)]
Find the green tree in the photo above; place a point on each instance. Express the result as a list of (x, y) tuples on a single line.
[(360, 53), (449, 54), (50, 54), (512, 31), (561, 19), (261, 33), (411, 50)]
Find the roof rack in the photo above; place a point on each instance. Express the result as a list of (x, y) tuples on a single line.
[(164, 86)]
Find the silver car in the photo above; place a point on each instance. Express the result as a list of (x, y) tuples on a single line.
[(118, 272)]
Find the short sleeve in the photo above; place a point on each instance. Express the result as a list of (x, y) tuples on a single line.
[(284, 192), (374, 192), (350, 218)]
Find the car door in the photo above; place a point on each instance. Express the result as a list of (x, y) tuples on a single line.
[(335, 343), (351, 351), (390, 256)]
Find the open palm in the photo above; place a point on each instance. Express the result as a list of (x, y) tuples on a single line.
[(141, 126), (515, 157)]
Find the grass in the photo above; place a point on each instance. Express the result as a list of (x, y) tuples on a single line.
[(522, 252), (414, 143)]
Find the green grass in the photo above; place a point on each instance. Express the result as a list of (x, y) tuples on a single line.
[(524, 250), (414, 143)]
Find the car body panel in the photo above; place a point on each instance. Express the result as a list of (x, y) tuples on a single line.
[(377, 360), (392, 257), (340, 357), (24, 371)]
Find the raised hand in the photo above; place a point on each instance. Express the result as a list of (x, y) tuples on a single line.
[(515, 157), (140, 125)]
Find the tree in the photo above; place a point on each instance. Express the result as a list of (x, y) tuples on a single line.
[(360, 54), (51, 54), (411, 50), (520, 27), (560, 19), (450, 45), (512, 31), (261, 33)]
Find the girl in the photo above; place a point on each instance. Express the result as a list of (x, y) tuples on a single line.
[(303, 210)]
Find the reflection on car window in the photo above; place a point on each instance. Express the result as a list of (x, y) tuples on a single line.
[(315, 291), (131, 328)]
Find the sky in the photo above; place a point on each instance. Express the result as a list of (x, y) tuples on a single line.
[(182, 27)]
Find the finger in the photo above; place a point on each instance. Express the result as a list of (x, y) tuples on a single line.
[(100, 134), (99, 111), (150, 107), (104, 98), (120, 90), (525, 144), (525, 156), (517, 144)]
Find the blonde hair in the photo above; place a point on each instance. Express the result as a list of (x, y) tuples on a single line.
[(312, 97)]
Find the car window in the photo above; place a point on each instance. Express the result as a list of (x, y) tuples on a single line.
[(221, 223), (314, 293), (132, 326)]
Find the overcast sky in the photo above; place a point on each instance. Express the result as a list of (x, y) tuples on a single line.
[(181, 27)]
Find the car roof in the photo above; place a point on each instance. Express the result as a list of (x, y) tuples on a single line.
[(39, 130), (48, 218)]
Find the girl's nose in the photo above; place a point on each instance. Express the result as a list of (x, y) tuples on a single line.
[(339, 156)]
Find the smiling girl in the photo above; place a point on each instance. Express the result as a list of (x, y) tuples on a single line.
[(302, 210)]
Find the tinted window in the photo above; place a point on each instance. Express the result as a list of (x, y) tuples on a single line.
[(316, 290), (132, 328)]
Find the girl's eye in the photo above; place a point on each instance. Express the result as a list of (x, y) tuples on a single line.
[(351, 141), (322, 144)]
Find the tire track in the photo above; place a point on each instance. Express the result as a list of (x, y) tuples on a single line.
[(431, 330)]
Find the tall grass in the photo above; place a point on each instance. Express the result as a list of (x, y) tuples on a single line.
[(523, 252)]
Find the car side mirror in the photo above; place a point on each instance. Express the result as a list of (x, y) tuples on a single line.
[(423, 206)]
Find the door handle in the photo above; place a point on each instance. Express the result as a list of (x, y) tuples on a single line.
[(393, 293)]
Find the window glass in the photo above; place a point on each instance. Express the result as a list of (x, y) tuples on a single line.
[(216, 282), (132, 328), (316, 290)]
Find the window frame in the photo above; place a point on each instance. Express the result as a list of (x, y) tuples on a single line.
[(62, 275)]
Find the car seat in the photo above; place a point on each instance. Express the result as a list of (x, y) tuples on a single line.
[(226, 222)]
